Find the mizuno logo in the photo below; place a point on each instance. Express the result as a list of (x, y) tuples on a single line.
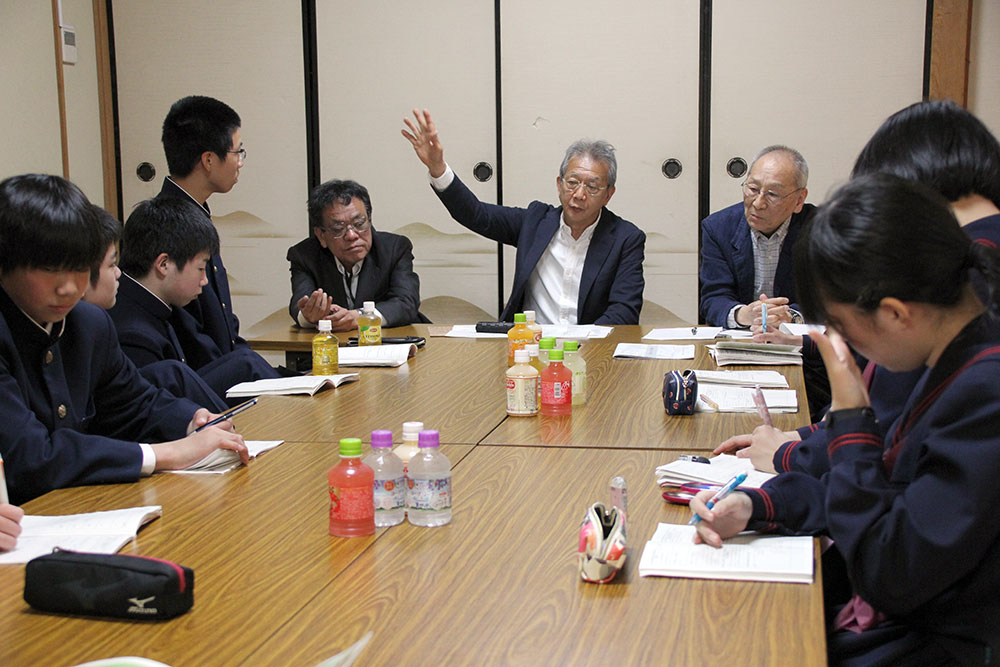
[(139, 606)]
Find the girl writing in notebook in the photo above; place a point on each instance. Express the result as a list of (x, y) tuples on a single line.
[(887, 267)]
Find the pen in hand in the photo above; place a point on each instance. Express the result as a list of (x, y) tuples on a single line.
[(228, 414), (763, 317), (720, 494), (758, 400)]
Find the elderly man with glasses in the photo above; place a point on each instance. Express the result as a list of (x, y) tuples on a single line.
[(346, 262), (746, 249), (578, 263)]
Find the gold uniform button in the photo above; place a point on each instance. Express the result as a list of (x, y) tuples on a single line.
[(223, 306), (215, 268), (61, 411), (49, 356)]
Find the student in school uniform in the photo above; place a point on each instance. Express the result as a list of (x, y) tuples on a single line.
[(201, 140), (887, 267), (169, 374), (945, 147), (75, 409), (166, 248)]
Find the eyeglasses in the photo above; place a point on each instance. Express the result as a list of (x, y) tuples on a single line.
[(242, 152), (359, 225), (752, 191), (570, 186)]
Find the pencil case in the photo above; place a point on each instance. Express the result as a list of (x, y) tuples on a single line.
[(115, 585), (680, 392)]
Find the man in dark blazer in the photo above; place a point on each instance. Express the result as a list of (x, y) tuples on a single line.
[(578, 263), (346, 262), (746, 248)]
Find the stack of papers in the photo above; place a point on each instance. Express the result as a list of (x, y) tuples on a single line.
[(772, 379), (683, 333), (224, 460), (376, 355), (303, 384), (641, 351), (571, 331), (800, 329), (719, 470), (745, 353), (96, 532), (746, 557), (740, 399)]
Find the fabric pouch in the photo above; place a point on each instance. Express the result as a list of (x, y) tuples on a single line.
[(116, 585), (680, 392)]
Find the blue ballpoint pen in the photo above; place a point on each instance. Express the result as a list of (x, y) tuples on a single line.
[(763, 317), (720, 494)]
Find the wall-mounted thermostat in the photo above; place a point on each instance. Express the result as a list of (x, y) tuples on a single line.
[(69, 44)]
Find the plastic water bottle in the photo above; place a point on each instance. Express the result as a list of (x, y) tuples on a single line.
[(428, 494), (352, 513), (324, 346), (369, 325), (575, 363), (389, 489), (522, 387)]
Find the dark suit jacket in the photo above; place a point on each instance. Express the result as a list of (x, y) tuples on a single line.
[(611, 284), (147, 333), (214, 329), (73, 406), (386, 277), (727, 271)]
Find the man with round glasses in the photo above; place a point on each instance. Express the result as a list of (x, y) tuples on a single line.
[(746, 248), (346, 262), (576, 264)]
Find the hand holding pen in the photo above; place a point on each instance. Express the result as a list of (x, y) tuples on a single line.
[(730, 513)]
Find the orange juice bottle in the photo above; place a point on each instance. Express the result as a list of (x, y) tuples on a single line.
[(518, 337)]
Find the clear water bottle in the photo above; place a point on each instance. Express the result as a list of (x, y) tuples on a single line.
[(389, 489), (428, 494)]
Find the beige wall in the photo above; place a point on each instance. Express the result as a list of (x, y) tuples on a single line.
[(29, 103), (984, 62), (83, 121), (29, 114)]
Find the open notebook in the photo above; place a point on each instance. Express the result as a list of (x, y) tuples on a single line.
[(302, 384), (746, 557), (96, 532)]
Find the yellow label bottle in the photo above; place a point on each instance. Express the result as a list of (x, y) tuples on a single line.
[(369, 325), (324, 346)]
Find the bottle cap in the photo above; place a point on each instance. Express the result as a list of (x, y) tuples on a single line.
[(412, 429), (571, 346), (519, 317), (555, 355), (369, 305), (529, 315), (429, 439), (520, 356), (531, 349), (325, 325), (546, 343), (381, 439), (350, 446)]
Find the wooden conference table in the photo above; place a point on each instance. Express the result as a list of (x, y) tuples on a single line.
[(496, 586)]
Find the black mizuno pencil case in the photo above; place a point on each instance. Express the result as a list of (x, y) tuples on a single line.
[(117, 585)]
